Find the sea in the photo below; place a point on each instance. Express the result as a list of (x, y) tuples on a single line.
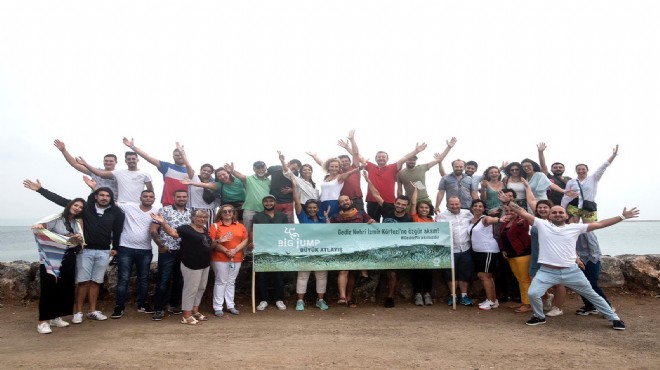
[(628, 237)]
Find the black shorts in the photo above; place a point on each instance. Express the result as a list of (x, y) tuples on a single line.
[(486, 261), (462, 266)]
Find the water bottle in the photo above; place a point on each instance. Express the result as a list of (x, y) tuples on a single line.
[(231, 263)]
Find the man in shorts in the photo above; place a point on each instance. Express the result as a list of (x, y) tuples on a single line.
[(461, 220)]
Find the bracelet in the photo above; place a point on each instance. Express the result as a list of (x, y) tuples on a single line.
[(623, 218)]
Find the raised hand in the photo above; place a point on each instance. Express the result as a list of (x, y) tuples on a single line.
[(326, 213), (541, 146), (615, 151), (59, 145), (342, 143), (128, 143), (311, 154), (80, 160), (89, 182), (351, 135), (524, 181), (158, 218), (32, 185), (280, 156), (451, 142), (420, 147), (633, 213), (179, 148), (229, 167)]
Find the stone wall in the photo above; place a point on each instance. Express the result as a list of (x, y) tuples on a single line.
[(19, 280)]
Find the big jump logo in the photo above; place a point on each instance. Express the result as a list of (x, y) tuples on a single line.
[(294, 240)]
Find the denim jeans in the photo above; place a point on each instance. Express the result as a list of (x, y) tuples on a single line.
[(572, 277), (126, 257), (592, 272), (262, 285), (169, 270)]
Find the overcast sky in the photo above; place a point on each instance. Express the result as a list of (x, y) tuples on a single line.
[(237, 81)]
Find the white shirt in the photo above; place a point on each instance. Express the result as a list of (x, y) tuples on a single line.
[(136, 227), (460, 226), (589, 186), (557, 243), (482, 238), (330, 190), (196, 198), (130, 185)]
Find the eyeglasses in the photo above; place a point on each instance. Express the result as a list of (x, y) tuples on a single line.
[(514, 170), (227, 211)]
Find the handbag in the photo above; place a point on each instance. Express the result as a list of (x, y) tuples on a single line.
[(587, 205)]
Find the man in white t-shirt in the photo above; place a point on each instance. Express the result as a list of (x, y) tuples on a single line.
[(559, 261), (135, 248), (130, 182)]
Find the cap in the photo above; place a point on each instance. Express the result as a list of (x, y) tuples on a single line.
[(258, 164), (267, 197)]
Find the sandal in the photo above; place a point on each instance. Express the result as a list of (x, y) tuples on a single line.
[(199, 317), (189, 320), (341, 301), (351, 304), (522, 309)]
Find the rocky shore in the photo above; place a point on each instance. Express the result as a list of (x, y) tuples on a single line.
[(19, 280)]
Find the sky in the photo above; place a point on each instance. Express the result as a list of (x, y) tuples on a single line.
[(236, 81)]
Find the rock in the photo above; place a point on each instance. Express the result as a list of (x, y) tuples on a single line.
[(611, 275), (642, 271), (15, 280)]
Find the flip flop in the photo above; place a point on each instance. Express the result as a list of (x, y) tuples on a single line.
[(351, 304), (522, 309), (341, 301)]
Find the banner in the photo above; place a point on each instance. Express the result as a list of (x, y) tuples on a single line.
[(322, 247)]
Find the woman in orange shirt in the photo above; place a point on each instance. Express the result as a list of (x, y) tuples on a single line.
[(421, 279), (227, 257)]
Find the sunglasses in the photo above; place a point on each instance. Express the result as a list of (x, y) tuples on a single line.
[(227, 211)]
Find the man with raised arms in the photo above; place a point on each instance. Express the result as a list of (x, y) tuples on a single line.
[(413, 173), (173, 173), (257, 187), (383, 176), (130, 182), (555, 175), (109, 163), (560, 263)]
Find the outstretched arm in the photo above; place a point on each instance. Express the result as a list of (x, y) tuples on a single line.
[(355, 151), (69, 158), (521, 212), (615, 152), (541, 148), (100, 173), (439, 157), (372, 188), (342, 177), (318, 160), (626, 214), (418, 149), (36, 186), (131, 144), (205, 185), (230, 168), (189, 169)]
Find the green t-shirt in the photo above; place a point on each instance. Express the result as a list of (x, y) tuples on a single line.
[(234, 192), (255, 190), (417, 173)]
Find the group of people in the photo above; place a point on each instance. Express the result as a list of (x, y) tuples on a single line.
[(206, 222)]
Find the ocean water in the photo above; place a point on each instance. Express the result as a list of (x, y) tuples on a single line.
[(630, 237)]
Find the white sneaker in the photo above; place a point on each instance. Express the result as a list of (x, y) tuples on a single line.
[(96, 315), (555, 311), (419, 301), (262, 306), (428, 300), (77, 318), (485, 305), (59, 323), (494, 304), (547, 305), (44, 328), (280, 305)]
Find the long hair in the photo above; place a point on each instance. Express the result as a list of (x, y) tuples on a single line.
[(68, 216)]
